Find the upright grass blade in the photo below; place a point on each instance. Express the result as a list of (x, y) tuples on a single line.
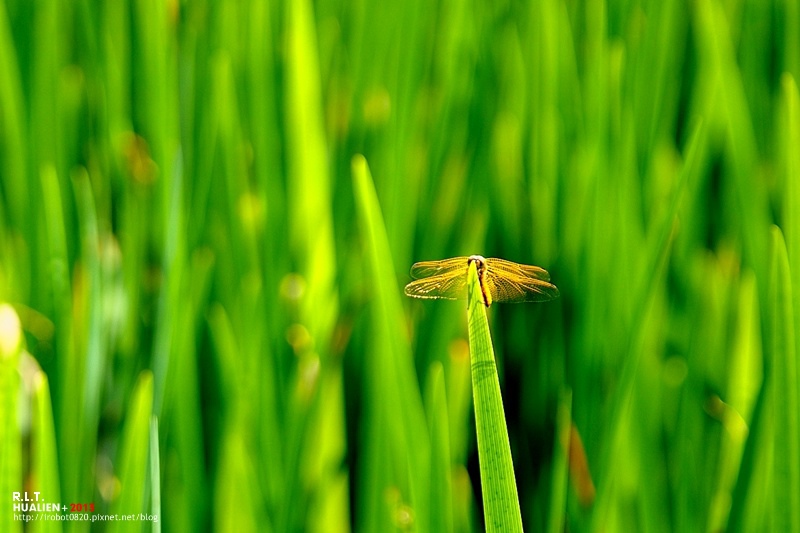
[(13, 128), (397, 449), (10, 452), (44, 457), (441, 464), (155, 475), (789, 131), (69, 366), (309, 186), (235, 488), (748, 383), (784, 386), (92, 357), (652, 273), (558, 492), (714, 34), (133, 465), (316, 424), (188, 491), (500, 500)]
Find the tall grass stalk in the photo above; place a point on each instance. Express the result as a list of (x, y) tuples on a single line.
[(500, 499)]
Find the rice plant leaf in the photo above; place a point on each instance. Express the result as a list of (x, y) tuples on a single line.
[(441, 463), (70, 371), (785, 399), (500, 499), (10, 438), (312, 245), (789, 132), (92, 357), (155, 475), (309, 187), (132, 466), (44, 456), (748, 382), (13, 127), (651, 274), (558, 485), (397, 448), (235, 487)]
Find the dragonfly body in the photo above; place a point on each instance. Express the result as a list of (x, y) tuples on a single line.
[(500, 280), (480, 266)]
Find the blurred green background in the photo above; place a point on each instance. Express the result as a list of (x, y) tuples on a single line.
[(217, 305)]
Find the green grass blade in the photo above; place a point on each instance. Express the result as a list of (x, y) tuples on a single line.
[(13, 128), (95, 357), (182, 411), (69, 371), (10, 452), (235, 488), (155, 475), (754, 483), (651, 275), (715, 37), (784, 378), (329, 510), (441, 463), (397, 446), (315, 426), (132, 466), (44, 456), (558, 491), (500, 500), (749, 399), (309, 184), (789, 132)]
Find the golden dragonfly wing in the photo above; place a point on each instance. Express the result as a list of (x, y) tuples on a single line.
[(515, 289), (450, 286), (425, 269), (509, 267)]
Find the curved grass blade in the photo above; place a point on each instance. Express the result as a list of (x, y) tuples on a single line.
[(500, 499)]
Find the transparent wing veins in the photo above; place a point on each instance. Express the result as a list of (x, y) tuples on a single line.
[(505, 280), (425, 269), (518, 289), (451, 286), (529, 271)]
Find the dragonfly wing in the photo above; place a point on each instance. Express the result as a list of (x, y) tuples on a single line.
[(518, 269), (425, 269), (451, 286), (519, 289)]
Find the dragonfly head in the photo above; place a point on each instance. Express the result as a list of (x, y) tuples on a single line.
[(479, 261)]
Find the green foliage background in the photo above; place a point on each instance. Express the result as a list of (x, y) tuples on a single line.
[(209, 280)]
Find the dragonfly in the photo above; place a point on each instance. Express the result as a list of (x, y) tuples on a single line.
[(500, 280)]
